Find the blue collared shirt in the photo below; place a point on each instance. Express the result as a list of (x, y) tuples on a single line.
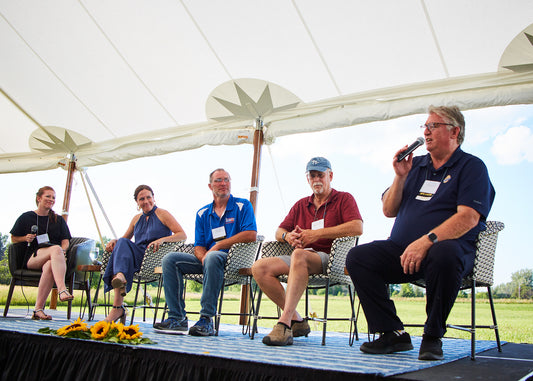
[(238, 217)]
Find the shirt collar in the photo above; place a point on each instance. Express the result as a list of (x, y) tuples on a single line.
[(331, 197), (456, 155)]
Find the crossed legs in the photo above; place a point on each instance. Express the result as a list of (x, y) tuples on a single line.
[(53, 265)]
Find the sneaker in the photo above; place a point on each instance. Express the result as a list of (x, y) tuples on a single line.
[(430, 349), (281, 335), (388, 342), (300, 328), (172, 326), (203, 327)]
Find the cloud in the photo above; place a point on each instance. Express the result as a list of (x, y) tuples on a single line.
[(514, 146)]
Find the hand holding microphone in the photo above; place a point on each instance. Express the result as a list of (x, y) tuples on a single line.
[(34, 230), (417, 143)]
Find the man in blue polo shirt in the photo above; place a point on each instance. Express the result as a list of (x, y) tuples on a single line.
[(220, 224), (440, 202)]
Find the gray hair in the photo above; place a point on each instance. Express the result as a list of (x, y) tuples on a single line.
[(452, 115)]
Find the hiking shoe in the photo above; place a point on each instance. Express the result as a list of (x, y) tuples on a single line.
[(300, 328), (172, 326), (388, 342), (281, 335), (430, 349), (203, 327)]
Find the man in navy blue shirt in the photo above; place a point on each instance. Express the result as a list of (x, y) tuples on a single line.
[(440, 202), (220, 224)]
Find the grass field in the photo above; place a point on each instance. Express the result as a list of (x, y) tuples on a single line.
[(515, 319)]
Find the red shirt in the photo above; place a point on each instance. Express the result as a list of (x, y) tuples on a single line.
[(338, 209)]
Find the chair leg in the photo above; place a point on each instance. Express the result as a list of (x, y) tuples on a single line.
[(158, 296), (70, 290), (9, 295), (354, 334), (324, 324), (92, 311), (473, 322), (87, 286), (493, 311), (256, 313), (135, 301), (219, 311)]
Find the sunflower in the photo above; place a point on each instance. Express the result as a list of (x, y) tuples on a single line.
[(130, 332), (99, 330), (78, 325)]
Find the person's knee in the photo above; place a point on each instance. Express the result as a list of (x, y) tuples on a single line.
[(353, 259), (214, 259), (444, 257), (168, 261)]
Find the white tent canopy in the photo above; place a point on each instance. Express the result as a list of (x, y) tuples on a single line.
[(115, 80)]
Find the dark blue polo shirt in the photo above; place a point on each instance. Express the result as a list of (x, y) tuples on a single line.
[(464, 180)]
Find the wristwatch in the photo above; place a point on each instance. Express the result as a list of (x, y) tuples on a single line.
[(283, 236), (433, 237)]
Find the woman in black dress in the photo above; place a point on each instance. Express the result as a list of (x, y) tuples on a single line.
[(48, 236)]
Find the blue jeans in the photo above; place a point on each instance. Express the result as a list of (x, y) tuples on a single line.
[(176, 264)]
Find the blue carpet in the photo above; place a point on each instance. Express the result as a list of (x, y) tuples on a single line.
[(307, 352)]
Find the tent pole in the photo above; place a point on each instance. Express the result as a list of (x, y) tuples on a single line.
[(64, 213), (254, 190)]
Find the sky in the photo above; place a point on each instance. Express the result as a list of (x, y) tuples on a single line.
[(361, 158)]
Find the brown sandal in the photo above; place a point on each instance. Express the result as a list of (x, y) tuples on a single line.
[(37, 317), (66, 298)]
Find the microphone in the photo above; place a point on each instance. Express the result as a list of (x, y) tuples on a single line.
[(417, 143), (34, 230)]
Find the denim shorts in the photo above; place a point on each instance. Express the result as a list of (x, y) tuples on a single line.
[(324, 257)]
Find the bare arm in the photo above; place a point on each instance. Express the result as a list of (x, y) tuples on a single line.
[(299, 237), (200, 252), (178, 234), (454, 227)]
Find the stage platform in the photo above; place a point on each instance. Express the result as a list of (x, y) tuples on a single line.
[(26, 355)]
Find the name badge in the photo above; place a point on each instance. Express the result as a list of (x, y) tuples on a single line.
[(218, 233), (319, 224), (43, 238), (428, 189)]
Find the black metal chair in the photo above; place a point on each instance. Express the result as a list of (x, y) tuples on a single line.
[(144, 276), (241, 256), (30, 278), (481, 276), (334, 275)]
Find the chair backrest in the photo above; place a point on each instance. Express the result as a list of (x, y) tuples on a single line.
[(337, 259), (275, 249), (15, 255), (152, 259), (483, 272), (240, 255), (336, 263)]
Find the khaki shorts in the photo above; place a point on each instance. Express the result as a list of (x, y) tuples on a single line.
[(324, 257)]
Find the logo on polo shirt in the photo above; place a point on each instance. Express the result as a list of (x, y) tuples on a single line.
[(448, 178)]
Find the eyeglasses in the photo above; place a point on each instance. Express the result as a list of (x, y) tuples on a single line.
[(432, 126), (218, 181)]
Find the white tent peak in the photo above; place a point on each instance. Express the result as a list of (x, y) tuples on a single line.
[(518, 56), (57, 140), (248, 99)]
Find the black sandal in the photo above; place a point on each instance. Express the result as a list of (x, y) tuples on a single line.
[(124, 313)]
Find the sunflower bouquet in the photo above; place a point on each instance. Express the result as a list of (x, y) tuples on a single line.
[(110, 332)]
